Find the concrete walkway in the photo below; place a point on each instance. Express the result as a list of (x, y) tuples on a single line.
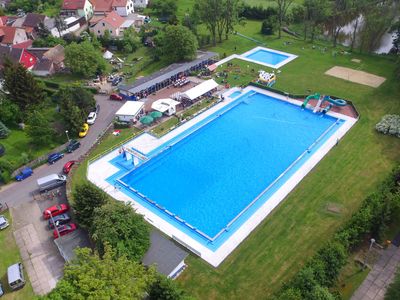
[(381, 275)]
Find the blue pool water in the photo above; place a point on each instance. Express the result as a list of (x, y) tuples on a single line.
[(267, 57), (210, 176), (235, 94)]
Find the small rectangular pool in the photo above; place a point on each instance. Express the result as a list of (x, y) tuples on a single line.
[(268, 57)]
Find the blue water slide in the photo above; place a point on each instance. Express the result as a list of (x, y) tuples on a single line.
[(338, 102)]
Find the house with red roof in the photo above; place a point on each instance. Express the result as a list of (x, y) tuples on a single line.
[(12, 35), (111, 22), (121, 7), (17, 55), (77, 8)]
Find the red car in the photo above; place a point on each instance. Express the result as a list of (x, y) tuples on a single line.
[(68, 166), (115, 97), (54, 210), (63, 230)]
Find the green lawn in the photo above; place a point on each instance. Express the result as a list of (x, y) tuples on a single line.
[(9, 254), (294, 231), (300, 225), (351, 276)]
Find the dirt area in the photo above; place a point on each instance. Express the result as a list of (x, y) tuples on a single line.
[(360, 77)]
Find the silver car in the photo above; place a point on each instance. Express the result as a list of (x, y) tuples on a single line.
[(3, 222)]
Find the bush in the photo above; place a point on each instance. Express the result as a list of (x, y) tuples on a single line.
[(321, 272), (4, 131), (393, 291), (258, 12), (121, 125), (390, 124), (268, 26)]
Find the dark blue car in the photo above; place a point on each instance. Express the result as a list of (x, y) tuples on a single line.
[(24, 174), (54, 157)]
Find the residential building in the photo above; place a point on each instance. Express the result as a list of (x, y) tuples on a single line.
[(77, 8), (121, 7), (12, 35), (112, 22), (72, 24), (30, 22), (140, 3), (17, 55)]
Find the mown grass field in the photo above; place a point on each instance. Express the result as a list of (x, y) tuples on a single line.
[(9, 255), (300, 225)]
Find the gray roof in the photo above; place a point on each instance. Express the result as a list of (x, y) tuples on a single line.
[(68, 243), (166, 73), (163, 253)]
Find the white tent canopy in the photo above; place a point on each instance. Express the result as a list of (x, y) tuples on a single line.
[(200, 89), (167, 106), (129, 110)]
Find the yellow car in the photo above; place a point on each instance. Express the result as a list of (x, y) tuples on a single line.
[(84, 131)]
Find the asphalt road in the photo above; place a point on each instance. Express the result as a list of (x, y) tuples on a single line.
[(17, 193)]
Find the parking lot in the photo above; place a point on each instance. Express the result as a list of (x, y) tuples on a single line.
[(40, 255)]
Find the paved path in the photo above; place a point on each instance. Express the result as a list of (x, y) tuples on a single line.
[(381, 275), (17, 193)]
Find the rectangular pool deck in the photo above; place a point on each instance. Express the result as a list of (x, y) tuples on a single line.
[(214, 251)]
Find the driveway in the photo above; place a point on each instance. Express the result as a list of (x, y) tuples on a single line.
[(17, 193)]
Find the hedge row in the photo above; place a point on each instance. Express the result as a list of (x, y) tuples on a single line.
[(322, 271)]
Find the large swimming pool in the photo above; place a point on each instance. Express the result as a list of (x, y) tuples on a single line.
[(210, 179)]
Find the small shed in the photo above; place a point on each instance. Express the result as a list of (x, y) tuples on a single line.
[(129, 111), (168, 258), (200, 90), (167, 106)]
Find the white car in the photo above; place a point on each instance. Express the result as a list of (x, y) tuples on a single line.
[(3, 222), (91, 118)]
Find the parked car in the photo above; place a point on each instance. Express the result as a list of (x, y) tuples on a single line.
[(59, 220), (91, 118), (2, 150), (116, 97), (68, 166), (72, 146), (116, 81), (55, 210), (25, 173), (15, 275), (54, 157), (63, 230), (1, 290), (50, 182), (3, 222), (84, 130)]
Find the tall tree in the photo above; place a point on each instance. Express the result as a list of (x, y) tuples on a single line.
[(9, 111), (75, 104), (164, 8), (210, 13), (378, 18), (84, 59), (179, 43), (231, 15), (117, 224), (38, 128), (21, 87), (87, 197), (60, 25), (92, 277), (315, 14), (337, 18), (283, 6)]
